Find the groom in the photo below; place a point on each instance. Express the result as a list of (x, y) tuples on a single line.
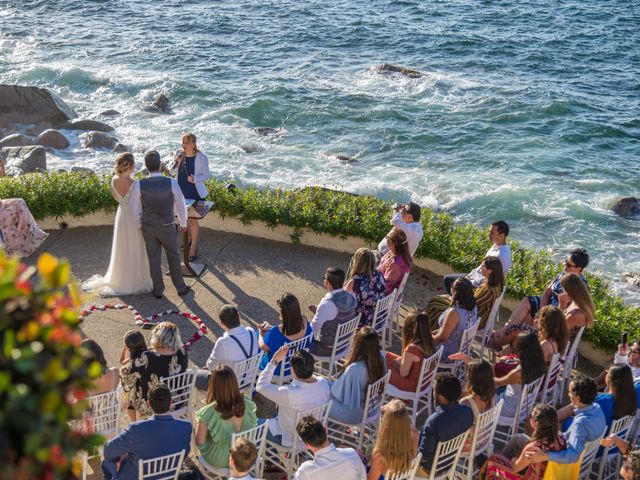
[(161, 200)]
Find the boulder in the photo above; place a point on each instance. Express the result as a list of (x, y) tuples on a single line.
[(407, 72), (16, 140), (19, 160), (27, 105), (53, 139), (627, 207), (98, 140), (265, 131), (110, 113), (85, 170), (89, 125), (119, 148), (160, 105), (347, 159)]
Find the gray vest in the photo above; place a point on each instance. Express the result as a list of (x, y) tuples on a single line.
[(346, 305), (157, 201)]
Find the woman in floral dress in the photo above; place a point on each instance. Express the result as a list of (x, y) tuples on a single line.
[(19, 232), (366, 283)]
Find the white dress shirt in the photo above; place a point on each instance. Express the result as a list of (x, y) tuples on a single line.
[(412, 230), (503, 252), (227, 352), (332, 463), (179, 204), (246, 477), (291, 399), (325, 311)]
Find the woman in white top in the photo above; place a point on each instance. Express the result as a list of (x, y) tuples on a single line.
[(191, 168)]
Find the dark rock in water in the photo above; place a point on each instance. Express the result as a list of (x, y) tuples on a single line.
[(346, 159), (110, 113), (159, 105), (85, 170), (98, 140), (627, 207), (16, 140), (250, 148), (89, 125), (53, 139), (231, 187), (26, 105), (120, 148), (407, 72), (20, 160), (265, 131)]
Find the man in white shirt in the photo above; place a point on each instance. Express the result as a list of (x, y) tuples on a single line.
[(407, 219), (238, 343), (329, 462), (304, 392), (498, 237)]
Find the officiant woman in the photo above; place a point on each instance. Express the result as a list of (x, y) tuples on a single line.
[(191, 168)]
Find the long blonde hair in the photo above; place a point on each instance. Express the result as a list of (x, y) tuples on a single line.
[(124, 162), (192, 138), (573, 285), (363, 262), (395, 442)]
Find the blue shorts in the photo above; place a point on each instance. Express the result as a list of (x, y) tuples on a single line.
[(534, 303)]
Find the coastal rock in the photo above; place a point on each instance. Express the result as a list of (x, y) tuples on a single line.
[(346, 159), (632, 278), (119, 148), (160, 105), (407, 72), (110, 113), (85, 170), (98, 140), (627, 207), (265, 131), (89, 125), (16, 140), (27, 105), (52, 139), (20, 160)]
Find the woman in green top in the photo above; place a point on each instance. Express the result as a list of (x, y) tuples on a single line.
[(227, 412)]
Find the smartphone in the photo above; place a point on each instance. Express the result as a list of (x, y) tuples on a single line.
[(625, 336)]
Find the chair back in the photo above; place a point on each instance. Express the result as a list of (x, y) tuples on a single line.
[(103, 416), (428, 372), (247, 372), (589, 455), (285, 367), (257, 436), (161, 468), (569, 359), (344, 338), (466, 340), (527, 401), (321, 413), (482, 334), (485, 427), (374, 399), (409, 474), (382, 313), (182, 387), (549, 389), (397, 301), (446, 457)]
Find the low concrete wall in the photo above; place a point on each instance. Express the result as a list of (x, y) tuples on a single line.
[(282, 233)]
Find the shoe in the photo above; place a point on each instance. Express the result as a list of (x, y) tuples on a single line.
[(158, 295), (186, 290), (192, 257)]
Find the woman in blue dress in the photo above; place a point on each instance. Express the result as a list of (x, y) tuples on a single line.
[(294, 326), (191, 168)]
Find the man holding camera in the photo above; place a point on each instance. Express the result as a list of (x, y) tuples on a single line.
[(407, 219)]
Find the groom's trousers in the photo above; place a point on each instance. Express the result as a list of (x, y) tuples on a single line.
[(155, 239)]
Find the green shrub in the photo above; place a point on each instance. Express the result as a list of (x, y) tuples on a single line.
[(341, 214)]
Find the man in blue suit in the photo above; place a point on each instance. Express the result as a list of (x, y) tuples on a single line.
[(155, 437)]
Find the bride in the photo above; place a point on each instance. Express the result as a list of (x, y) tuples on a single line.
[(128, 271)]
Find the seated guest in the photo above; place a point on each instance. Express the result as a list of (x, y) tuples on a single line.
[(363, 367), (110, 377), (328, 461), (396, 442), (529, 307), (575, 303), (227, 412), (513, 459), (630, 469), (19, 232), (448, 421), (405, 218), (397, 261), (242, 458), (479, 395), (626, 355), (366, 283), (134, 346), (553, 333), (417, 344), (337, 307), (588, 424), (238, 343), (139, 441), (165, 358), (498, 233), (304, 392), (294, 326), (457, 318), (486, 294)]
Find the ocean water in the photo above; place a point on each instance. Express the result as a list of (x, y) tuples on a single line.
[(528, 111)]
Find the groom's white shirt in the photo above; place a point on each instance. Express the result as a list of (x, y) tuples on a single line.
[(179, 204)]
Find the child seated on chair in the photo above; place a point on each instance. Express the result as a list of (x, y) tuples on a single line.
[(242, 458)]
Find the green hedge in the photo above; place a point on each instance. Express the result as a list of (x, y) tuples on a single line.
[(341, 214)]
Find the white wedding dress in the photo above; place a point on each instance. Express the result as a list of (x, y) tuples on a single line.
[(128, 271)]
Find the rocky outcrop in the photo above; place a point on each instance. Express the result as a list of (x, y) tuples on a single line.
[(119, 148), (627, 207), (84, 170), (52, 139), (89, 125), (27, 105), (16, 140), (109, 113), (265, 131), (407, 72), (98, 140), (160, 105), (20, 160)]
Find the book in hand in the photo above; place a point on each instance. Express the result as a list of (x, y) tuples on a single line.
[(199, 209)]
